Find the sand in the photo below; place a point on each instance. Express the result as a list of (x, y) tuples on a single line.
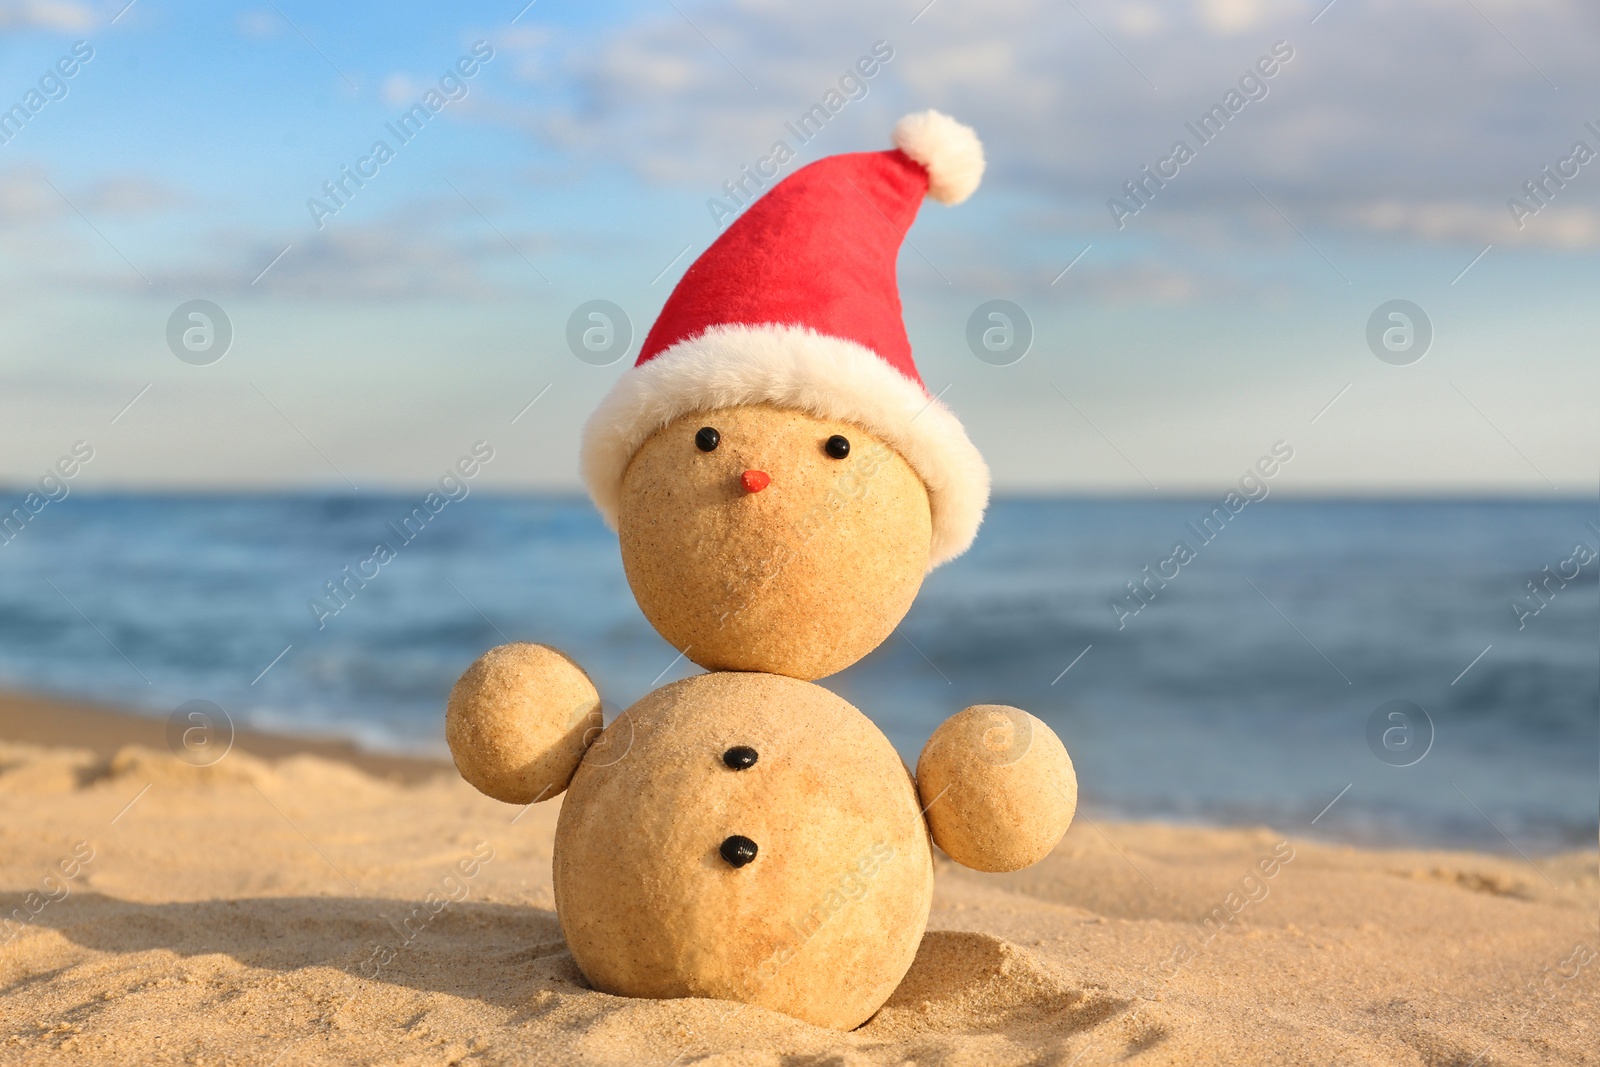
[(283, 908)]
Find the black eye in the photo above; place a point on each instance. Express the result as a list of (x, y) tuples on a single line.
[(739, 757), (837, 447), (708, 439), (738, 850)]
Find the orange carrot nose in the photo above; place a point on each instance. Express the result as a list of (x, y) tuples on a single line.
[(755, 481)]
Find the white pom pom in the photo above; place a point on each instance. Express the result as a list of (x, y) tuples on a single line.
[(950, 151)]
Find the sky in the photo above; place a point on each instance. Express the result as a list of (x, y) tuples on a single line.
[(1176, 338)]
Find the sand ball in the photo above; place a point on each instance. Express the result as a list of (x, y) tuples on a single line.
[(747, 837), (791, 545), (999, 788), (519, 720)]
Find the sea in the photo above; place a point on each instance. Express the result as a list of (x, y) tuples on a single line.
[(1377, 672)]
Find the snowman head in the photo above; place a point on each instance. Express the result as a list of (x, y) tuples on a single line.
[(758, 538), (780, 476)]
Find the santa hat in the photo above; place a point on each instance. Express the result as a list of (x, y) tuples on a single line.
[(796, 305)]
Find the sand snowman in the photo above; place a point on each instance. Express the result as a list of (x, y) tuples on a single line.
[(781, 481)]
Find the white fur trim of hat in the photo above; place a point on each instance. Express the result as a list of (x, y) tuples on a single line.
[(798, 368)]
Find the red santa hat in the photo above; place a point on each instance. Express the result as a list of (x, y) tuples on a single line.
[(796, 305)]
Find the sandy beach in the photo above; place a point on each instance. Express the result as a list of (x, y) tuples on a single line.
[(304, 903)]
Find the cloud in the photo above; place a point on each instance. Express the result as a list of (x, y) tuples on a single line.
[(1555, 226), (1141, 283), (1140, 20), (1232, 17), (26, 197), (388, 259), (131, 195), (30, 197), (420, 250), (45, 15), (399, 90), (259, 24), (1439, 107)]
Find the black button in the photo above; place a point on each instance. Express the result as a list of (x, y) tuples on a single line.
[(707, 439), (738, 850), (837, 447), (739, 757)]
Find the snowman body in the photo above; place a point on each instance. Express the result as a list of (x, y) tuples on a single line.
[(746, 837)]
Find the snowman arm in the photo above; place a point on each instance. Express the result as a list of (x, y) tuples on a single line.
[(997, 788), (519, 721)]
